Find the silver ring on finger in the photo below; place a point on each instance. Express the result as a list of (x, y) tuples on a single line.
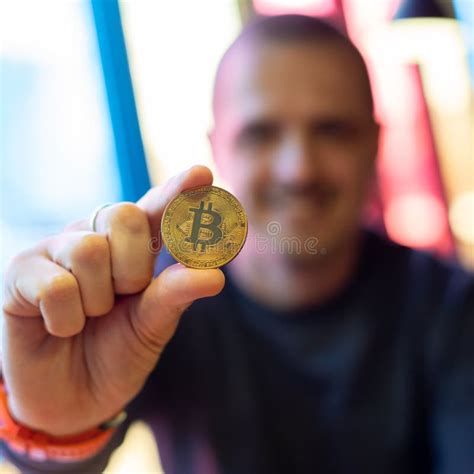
[(93, 218)]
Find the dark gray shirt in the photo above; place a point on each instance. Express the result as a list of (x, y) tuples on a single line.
[(378, 380)]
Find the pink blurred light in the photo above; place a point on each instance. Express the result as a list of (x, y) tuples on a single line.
[(410, 186), (303, 7), (415, 209), (417, 220), (408, 156), (365, 16)]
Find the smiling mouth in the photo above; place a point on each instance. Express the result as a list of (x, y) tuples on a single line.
[(318, 195), (315, 202)]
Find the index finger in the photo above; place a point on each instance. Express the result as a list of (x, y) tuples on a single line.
[(154, 202)]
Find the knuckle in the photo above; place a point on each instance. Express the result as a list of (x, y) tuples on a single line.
[(131, 285), (93, 249), (101, 308), (20, 260), (76, 225), (60, 328), (61, 287), (65, 328), (12, 266), (130, 217)]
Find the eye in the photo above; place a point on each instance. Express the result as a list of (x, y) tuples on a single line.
[(258, 133), (334, 129)]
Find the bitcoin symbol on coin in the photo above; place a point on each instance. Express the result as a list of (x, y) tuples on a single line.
[(198, 224), (204, 227)]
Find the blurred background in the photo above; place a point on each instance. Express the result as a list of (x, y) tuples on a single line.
[(102, 99)]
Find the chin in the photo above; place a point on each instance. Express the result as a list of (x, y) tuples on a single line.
[(320, 230), (303, 261)]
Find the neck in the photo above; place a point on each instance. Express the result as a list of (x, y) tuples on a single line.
[(286, 284)]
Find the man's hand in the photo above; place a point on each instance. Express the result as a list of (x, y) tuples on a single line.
[(84, 323)]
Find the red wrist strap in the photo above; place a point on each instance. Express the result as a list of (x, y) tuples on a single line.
[(40, 446)]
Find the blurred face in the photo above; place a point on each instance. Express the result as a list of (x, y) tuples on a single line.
[(295, 139)]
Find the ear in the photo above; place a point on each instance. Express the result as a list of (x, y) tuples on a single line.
[(211, 134), (376, 132)]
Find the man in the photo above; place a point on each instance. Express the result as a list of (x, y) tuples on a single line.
[(341, 353)]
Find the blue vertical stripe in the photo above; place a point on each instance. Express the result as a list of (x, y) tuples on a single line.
[(133, 172)]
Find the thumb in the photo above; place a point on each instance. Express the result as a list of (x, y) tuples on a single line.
[(156, 312)]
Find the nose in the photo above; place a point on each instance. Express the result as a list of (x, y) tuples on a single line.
[(295, 163)]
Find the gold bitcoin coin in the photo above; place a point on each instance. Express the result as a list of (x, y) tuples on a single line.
[(204, 227)]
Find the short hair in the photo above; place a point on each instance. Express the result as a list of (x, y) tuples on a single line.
[(294, 28)]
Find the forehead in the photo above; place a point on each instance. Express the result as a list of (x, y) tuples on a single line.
[(291, 80)]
